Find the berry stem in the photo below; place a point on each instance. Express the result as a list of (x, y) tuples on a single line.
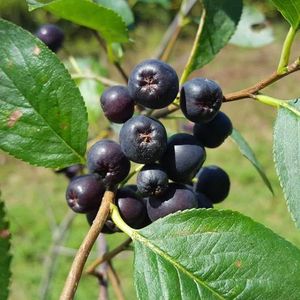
[(189, 66), (116, 217), (286, 51), (86, 246), (108, 256)]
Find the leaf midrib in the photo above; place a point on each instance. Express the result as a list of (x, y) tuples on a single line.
[(33, 107), (140, 238)]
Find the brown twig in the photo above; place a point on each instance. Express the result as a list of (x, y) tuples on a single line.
[(108, 256), (86, 246), (115, 281), (103, 268), (252, 90)]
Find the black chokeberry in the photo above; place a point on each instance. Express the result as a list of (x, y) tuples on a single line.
[(177, 197), (109, 226), (143, 139), (183, 158), (213, 182), (200, 99), (84, 193), (51, 35), (152, 180), (117, 104), (212, 134), (71, 171), (153, 84), (132, 208), (107, 159)]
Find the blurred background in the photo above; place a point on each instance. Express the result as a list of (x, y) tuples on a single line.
[(34, 196)]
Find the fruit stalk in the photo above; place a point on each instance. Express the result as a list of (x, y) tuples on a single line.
[(86, 246)]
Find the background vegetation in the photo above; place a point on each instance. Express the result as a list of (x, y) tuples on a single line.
[(35, 196)]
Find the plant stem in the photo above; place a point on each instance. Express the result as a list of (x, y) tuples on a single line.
[(108, 256), (189, 66), (286, 51), (103, 80), (86, 246), (115, 282), (276, 103)]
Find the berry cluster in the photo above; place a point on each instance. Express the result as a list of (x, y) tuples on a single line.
[(172, 177)]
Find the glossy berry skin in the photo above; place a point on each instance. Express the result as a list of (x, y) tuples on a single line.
[(215, 132), (71, 171), (153, 84), (84, 193), (51, 35), (203, 201), (152, 180), (213, 182), (178, 197), (131, 207), (117, 104), (200, 99), (183, 158), (107, 159), (143, 139)]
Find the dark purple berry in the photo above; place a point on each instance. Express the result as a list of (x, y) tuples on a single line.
[(203, 201), (183, 158), (213, 182), (153, 84), (117, 104), (178, 197), (71, 171), (84, 193), (143, 139), (200, 99), (213, 133), (109, 226), (107, 159), (152, 180), (51, 35), (132, 209)]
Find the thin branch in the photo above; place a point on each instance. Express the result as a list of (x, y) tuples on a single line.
[(103, 80), (103, 268), (171, 34), (86, 246), (246, 93), (108, 256), (115, 281), (50, 261)]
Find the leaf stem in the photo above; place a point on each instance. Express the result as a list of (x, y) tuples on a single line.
[(108, 256), (188, 68), (276, 103), (86, 246), (286, 51), (116, 217)]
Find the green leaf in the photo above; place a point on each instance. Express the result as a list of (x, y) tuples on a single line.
[(210, 254), (83, 12), (252, 31), (5, 257), (43, 119), (222, 17), (247, 152), (290, 9), (121, 7), (286, 152), (163, 3)]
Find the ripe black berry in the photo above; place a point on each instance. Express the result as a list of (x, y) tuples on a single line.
[(177, 197), (71, 171), (51, 35), (152, 180), (109, 226), (117, 104), (203, 201), (213, 133), (200, 99), (107, 159), (84, 193), (132, 209), (183, 158), (213, 182), (153, 84), (143, 139)]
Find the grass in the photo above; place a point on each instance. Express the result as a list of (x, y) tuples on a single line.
[(35, 196)]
